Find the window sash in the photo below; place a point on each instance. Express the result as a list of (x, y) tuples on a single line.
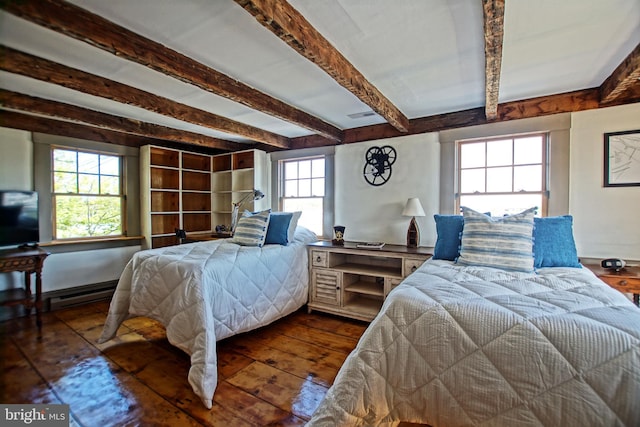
[(479, 170), (102, 180), (296, 185)]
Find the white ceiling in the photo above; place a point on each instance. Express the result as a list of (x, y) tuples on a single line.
[(425, 56)]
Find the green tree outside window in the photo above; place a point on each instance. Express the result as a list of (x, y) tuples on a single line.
[(87, 192)]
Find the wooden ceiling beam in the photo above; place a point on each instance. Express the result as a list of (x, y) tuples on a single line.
[(78, 23), (17, 62), (493, 38), (31, 104), (291, 27), (626, 77), (542, 106), (28, 122)]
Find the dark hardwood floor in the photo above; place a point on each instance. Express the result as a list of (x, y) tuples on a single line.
[(274, 376)]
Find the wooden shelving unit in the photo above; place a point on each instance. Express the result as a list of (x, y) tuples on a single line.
[(176, 193), (354, 282), (234, 175), (195, 192)]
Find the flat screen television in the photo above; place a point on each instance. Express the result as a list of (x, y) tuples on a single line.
[(19, 218)]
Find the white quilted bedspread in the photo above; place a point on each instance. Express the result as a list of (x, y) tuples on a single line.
[(204, 292), (462, 346)]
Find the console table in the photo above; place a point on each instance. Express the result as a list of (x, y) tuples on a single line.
[(350, 281), (27, 260)]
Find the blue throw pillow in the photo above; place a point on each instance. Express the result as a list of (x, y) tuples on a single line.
[(553, 244), (449, 230), (278, 231)]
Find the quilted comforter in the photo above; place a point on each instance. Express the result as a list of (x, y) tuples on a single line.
[(204, 292), (461, 346)]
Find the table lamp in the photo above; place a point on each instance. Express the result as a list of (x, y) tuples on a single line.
[(255, 194), (413, 209)]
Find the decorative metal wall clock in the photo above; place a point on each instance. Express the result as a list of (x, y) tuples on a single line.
[(377, 167)]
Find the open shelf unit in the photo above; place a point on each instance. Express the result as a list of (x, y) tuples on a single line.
[(235, 175), (195, 192), (176, 193), (354, 282)]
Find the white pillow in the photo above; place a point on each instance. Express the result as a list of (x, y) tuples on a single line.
[(293, 225)]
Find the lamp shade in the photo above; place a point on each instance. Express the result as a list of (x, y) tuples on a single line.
[(413, 208)]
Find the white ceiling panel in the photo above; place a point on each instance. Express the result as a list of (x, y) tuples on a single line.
[(425, 56), (554, 47)]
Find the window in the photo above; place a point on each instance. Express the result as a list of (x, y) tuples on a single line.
[(302, 188), (503, 175), (88, 200)]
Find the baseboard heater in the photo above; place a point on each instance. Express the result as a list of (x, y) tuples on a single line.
[(64, 298)]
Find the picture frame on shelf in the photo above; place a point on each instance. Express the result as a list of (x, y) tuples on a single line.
[(622, 159)]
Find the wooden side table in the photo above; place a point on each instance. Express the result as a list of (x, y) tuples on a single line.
[(625, 280), (28, 260)]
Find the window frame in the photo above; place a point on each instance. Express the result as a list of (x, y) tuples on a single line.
[(329, 164), (282, 182), (543, 192), (122, 192)]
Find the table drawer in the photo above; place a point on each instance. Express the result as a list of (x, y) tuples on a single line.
[(624, 284), (319, 259), (411, 265)]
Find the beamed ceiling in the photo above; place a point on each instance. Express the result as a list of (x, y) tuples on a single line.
[(225, 75)]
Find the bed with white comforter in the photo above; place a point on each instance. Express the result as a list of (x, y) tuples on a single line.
[(204, 292), (460, 346)]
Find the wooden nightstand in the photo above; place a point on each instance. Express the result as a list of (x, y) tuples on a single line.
[(626, 280)]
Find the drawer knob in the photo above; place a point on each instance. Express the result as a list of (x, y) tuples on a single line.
[(414, 268), (318, 259), (623, 283)]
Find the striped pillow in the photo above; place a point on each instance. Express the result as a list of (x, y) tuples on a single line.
[(505, 243), (251, 229)]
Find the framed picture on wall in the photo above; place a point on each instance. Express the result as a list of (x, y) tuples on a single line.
[(622, 159)]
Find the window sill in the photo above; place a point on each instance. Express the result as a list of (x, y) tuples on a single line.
[(93, 243)]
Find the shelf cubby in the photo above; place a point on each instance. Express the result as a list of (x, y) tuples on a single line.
[(221, 162), (163, 157), (165, 201), (165, 179), (196, 162), (243, 160), (221, 181), (196, 221), (196, 201), (164, 223), (196, 181)]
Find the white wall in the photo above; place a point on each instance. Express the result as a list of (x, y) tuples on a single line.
[(70, 269), (16, 173), (16, 160), (606, 219), (375, 213)]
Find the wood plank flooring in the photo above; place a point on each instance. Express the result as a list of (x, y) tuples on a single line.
[(274, 376)]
